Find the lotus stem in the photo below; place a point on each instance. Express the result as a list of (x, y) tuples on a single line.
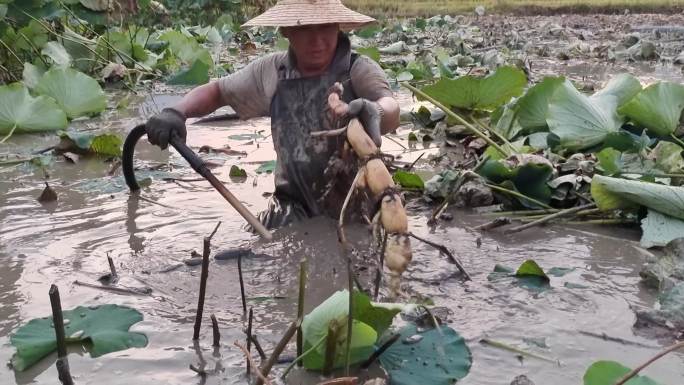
[(636, 370), (300, 305), (301, 356), (262, 378), (676, 139), (266, 368), (443, 249), (376, 354), (453, 115), (242, 285), (203, 282), (501, 345), (517, 194), (11, 52), (9, 134), (34, 48), (249, 338), (501, 137), (216, 334), (550, 217), (58, 322)]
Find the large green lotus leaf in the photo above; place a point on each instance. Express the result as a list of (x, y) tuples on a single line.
[(610, 193), (609, 372), (657, 107), (186, 48), (197, 74), (479, 93), (105, 327), (506, 125), (534, 105), (80, 48), (668, 157), (623, 86), (581, 122), (77, 93), (659, 229), (26, 113), (368, 320), (440, 357)]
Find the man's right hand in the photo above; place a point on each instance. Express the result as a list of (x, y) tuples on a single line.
[(162, 126)]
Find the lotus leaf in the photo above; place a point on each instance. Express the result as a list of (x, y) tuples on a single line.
[(21, 112), (408, 180), (368, 320), (57, 53), (186, 48), (611, 193), (80, 48), (660, 229), (31, 75), (439, 357), (237, 172), (76, 93), (371, 52), (610, 161), (668, 157), (102, 144), (32, 35), (657, 107), (534, 105), (623, 86), (609, 372), (197, 74), (479, 93), (528, 177), (267, 167), (531, 276), (105, 327), (581, 122)]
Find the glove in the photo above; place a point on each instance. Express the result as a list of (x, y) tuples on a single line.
[(162, 126), (370, 115)]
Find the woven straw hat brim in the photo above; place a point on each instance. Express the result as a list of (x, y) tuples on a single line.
[(292, 13)]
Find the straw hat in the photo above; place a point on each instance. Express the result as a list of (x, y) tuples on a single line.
[(292, 13)]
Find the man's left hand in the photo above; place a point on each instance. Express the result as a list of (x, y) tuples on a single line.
[(370, 115)]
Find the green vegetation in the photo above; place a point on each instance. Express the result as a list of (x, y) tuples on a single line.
[(390, 8)]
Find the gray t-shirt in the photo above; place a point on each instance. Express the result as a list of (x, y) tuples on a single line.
[(250, 90)]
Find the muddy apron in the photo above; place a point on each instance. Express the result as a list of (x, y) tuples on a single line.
[(303, 187)]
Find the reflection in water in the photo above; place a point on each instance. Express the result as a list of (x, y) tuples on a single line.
[(135, 242)]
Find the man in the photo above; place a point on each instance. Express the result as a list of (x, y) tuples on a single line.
[(292, 89)]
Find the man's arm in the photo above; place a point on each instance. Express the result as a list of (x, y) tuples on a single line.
[(201, 101)]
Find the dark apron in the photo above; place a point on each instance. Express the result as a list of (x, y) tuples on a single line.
[(305, 185)]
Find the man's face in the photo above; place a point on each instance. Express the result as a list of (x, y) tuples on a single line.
[(313, 45)]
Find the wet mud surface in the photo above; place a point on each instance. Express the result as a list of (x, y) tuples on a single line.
[(149, 237)]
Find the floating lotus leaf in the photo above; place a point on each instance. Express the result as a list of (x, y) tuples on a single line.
[(105, 327)]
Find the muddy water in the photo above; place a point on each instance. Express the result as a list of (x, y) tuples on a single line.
[(95, 216)]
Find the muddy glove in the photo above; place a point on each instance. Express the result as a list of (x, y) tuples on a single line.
[(162, 126), (370, 115)]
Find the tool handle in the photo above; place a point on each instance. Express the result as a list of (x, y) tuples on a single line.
[(196, 163)]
